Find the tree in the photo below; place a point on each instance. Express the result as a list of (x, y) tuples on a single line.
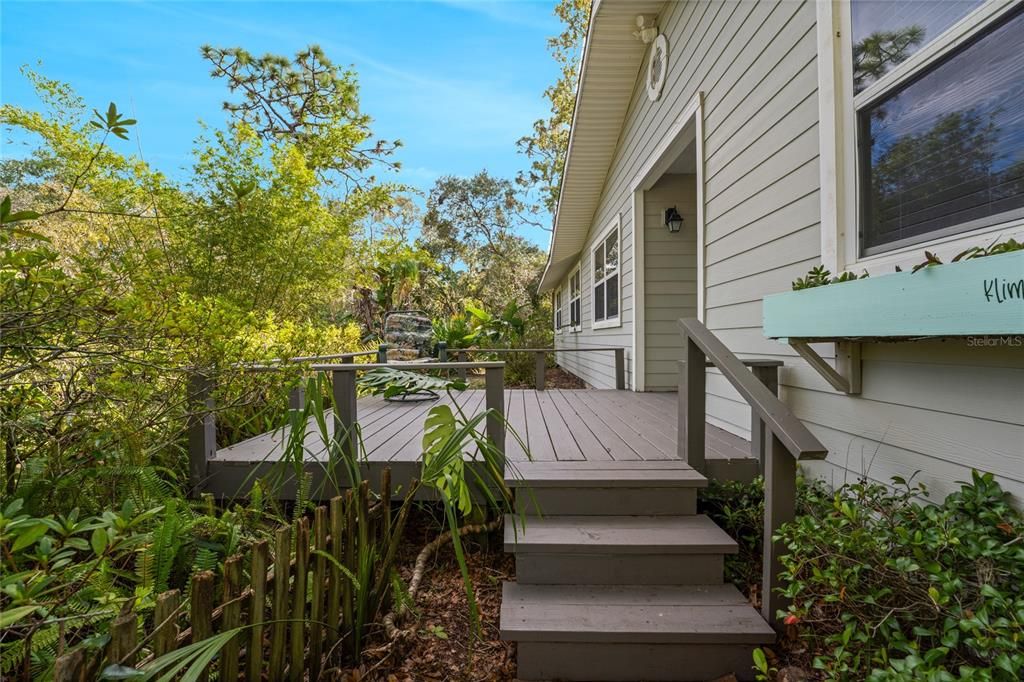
[(470, 228), (309, 101), (114, 278), (547, 145)]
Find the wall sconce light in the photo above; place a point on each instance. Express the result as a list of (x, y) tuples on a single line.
[(673, 221)]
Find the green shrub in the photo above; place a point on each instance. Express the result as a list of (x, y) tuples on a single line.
[(886, 588), (455, 331), (738, 508)]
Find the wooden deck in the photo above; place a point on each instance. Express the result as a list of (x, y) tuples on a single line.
[(562, 425)]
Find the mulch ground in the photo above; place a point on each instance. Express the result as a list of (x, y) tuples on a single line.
[(556, 377), (442, 647)]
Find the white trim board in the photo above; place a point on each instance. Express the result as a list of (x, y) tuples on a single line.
[(578, 270), (598, 242), (688, 127)]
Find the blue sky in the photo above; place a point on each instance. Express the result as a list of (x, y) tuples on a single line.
[(458, 81)]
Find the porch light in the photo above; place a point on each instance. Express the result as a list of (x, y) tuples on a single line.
[(673, 221)]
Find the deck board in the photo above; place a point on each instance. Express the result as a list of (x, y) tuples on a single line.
[(590, 446), (557, 425), (643, 441), (541, 447), (613, 442), (635, 419), (515, 410), (563, 440)]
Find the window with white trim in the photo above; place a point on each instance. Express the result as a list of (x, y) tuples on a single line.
[(558, 310), (939, 103), (606, 279), (575, 301)]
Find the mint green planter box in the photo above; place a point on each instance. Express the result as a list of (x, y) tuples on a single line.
[(984, 296)]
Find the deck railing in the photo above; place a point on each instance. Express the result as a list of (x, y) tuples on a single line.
[(202, 426), (540, 359), (344, 393), (202, 420), (783, 438)]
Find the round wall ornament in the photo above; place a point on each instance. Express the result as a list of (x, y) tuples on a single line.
[(657, 67)]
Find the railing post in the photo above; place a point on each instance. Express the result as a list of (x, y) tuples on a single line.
[(620, 369), (343, 383), (347, 360), (690, 429), (442, 351), (202, 429), (494, 386), (297, 397), (540, 369), (769, 376), (382, 353), (461, 371), (779, 508)]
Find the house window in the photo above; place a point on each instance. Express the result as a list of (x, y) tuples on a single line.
[(558, 310), (606, 280), (940, 142), (575, 301)]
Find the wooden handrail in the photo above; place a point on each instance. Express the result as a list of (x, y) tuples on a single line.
[(775, 431), (408, 366), (276, 364), (776, 414), (540, 361), (534, 350)]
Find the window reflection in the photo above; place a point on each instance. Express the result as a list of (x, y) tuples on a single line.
[(946, 151), (886, 32)]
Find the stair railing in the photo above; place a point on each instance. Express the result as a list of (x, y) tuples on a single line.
[(785, 440)]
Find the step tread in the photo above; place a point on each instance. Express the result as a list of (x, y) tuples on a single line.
[(696, 534), (672, 614), (605, 474)]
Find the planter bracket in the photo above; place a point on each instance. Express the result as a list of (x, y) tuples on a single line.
[(845, 376)]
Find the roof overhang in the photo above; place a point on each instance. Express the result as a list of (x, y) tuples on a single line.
[(611, 63)]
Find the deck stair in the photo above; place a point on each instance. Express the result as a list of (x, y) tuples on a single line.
[(618, 577)]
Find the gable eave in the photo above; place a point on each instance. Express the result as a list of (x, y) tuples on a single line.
[(610, 65)]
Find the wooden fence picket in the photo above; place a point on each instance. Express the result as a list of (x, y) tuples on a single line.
[(280, 613), (257, 606), (317, 592), (165, 622), (350, 564), (334, 584), (123, 637), (306, 582), (296, 663), (201, 607), (232, 617)]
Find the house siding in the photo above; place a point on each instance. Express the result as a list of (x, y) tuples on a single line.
[(597, 369), (670, 277), (937, 407)]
